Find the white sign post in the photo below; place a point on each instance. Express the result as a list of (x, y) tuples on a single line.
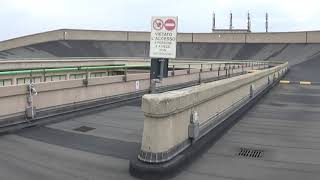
[(163, 39)]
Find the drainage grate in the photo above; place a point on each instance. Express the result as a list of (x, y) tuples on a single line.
[(253, 153), (84, 129)]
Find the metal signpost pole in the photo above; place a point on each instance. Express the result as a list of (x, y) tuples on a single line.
[(161, 68)]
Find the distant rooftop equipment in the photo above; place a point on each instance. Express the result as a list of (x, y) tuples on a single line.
[(231, 31), (213, 21), (230, 21), (231, 28), (267, 23), (249, 23)]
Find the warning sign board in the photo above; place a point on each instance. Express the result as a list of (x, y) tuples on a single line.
[(163, 38)]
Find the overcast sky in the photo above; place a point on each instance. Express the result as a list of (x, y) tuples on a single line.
[(23, 17)]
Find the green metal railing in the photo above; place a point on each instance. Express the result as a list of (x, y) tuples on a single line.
[(125, 67), (68, 69)]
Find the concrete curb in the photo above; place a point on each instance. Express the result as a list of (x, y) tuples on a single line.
[(299, 82)]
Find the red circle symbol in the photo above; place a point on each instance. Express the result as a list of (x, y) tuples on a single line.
[(158, 24), (170, 24)]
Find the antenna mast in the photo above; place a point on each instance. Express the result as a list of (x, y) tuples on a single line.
[(267, 23), (213, 21), (249, 23), (230, 21)]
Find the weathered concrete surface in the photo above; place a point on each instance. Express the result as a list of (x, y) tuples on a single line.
[(313, 37), (95, 35), (219, 37), (288, 37), (32, 39)]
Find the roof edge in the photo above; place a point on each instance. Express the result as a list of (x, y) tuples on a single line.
[(105, 35)]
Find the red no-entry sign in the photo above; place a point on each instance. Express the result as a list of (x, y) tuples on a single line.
[(170, 24)]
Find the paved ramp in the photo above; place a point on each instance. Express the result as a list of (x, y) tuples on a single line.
[(284, 126), (63, 151), (306, 71)]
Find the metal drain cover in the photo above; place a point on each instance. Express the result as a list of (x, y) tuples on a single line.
[(252, 153), (84, 129)]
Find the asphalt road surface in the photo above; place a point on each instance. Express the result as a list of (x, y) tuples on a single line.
[(284, 127)]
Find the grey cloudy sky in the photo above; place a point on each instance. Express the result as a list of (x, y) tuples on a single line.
[(23, 17)]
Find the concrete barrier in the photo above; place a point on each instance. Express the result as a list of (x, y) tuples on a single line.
[(283, 37), (171, 119), (313, 37), (145, 37), (96, 35), (32, 39), (139, 36), (219, 37), (67, 93), (185, 37)]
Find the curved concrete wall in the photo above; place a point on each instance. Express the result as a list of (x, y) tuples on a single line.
[(294, 53), (69, 34), (313, 37), (95, 35), (288, 37), (219, 37), (72, 92), (32, 39)]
